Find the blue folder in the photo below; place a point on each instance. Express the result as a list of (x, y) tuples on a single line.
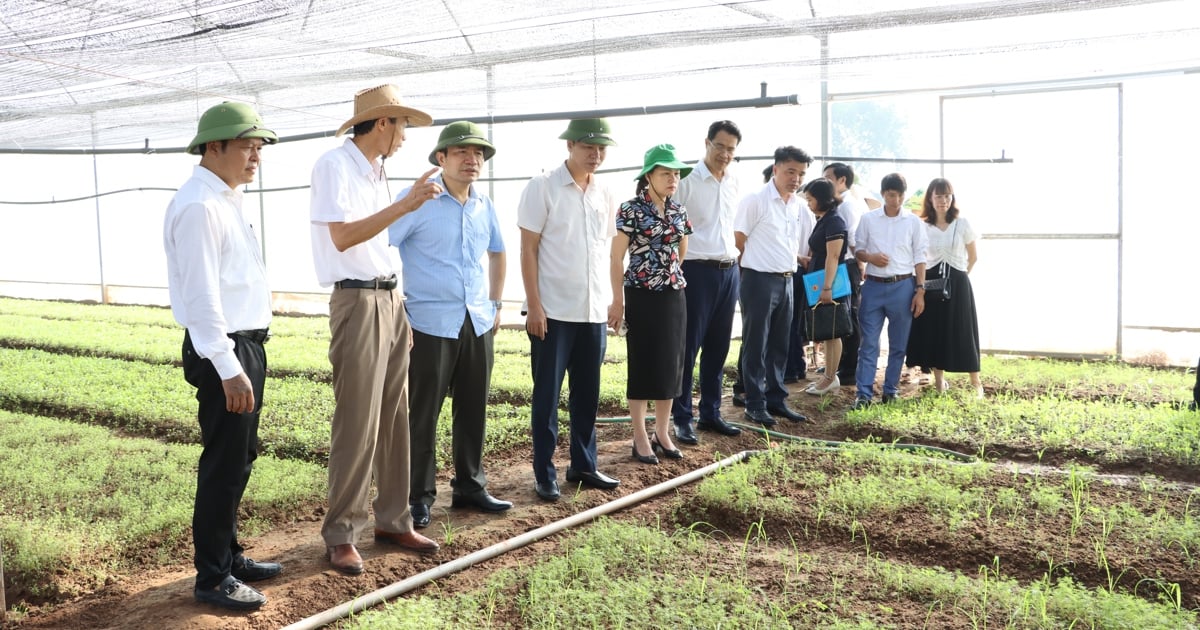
[(815, 281)]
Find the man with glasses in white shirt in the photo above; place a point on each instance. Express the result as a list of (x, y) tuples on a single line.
[(710, 195)]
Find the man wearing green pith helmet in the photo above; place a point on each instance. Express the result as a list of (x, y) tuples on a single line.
[(219, 294)]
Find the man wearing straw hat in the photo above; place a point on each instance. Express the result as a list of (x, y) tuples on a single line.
[(219, 294), (567, 222), (350, 212), (454, 307)]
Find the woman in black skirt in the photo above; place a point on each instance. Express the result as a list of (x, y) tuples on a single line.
[(946, 336), (648, 298)]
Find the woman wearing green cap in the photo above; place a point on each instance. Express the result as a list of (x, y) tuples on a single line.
[(648, 296)]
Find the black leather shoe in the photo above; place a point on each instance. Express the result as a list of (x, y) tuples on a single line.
[(420, 515), (761, 417), (739, 399), (481, 500), (231, 594), (547, 491), (595, 479), (684, 433), (781, 411), (252, 571), (890, 398), (716, 425)]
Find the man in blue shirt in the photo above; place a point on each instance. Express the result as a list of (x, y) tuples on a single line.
[(455, 310)]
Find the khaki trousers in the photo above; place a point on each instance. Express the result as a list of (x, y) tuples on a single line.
[(369, 433)]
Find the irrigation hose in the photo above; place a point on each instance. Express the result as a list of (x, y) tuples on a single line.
[(397, 589), (922, 449)]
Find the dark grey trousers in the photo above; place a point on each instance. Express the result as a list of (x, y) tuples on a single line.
[(461, 367)]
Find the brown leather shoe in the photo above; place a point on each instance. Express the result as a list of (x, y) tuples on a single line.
[(408, 540), (344, 559)]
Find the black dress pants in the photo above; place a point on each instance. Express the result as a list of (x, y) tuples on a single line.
[(230, 443)]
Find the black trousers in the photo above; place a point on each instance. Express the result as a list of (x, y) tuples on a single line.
[(849, 363), (230, 443), (461, 367)]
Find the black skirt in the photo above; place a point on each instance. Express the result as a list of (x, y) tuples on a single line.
[(946, 336), (657, 323)]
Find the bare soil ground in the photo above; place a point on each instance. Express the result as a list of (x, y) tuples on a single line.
[(161, 597)]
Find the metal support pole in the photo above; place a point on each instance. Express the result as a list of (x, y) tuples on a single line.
[(825, 104), (1120, 218), (99, 237)]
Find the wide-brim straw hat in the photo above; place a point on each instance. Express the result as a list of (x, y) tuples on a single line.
[(663, 155), (383, 102)]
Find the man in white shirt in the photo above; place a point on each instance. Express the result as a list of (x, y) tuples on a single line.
[(349, 215), (767, 233), (851, 210), (567, 220), (710, 195), (219, 294), (892, 243)]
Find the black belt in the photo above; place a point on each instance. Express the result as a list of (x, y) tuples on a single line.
[(386, 284), (259, 335), (719, 264), (778, 274), (889, 279)]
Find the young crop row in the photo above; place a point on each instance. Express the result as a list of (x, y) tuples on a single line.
[(1103, 430), (153, 400), (767, 567), (82, 503)]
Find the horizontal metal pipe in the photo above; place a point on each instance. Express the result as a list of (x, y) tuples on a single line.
[(397, 589), (769, 101)]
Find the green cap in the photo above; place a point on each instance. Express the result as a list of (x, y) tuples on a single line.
[(589, 131), (663, 155), (462, 133), (229, 121)]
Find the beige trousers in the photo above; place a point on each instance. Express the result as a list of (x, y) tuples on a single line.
[(369, 433)]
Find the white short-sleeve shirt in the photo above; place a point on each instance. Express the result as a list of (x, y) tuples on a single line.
[(346, 187), (950, 245), (576, 228), (851, 210), (772, 227)]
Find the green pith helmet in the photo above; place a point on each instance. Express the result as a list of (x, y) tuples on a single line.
[(663, 155), (229, 121), (588, 131), (462, 133)]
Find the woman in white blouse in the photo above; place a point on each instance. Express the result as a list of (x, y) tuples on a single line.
[(946, 336)]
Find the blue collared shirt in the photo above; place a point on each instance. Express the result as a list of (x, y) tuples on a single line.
[(442, 246)]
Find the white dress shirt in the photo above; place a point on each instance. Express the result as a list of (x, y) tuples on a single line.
[(346, 187), (851, 210), (576, 228), (215, 272), (772, 229), (901, 237), (711, 206)]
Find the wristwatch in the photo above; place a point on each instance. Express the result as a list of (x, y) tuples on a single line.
[(498, 304)]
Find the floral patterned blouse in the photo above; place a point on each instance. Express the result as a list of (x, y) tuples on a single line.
[(653, 243)]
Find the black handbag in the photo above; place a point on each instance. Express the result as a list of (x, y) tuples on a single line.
[(828, 321), (938, 289)]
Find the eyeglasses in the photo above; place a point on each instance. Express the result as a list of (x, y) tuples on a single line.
[(720, 148)]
